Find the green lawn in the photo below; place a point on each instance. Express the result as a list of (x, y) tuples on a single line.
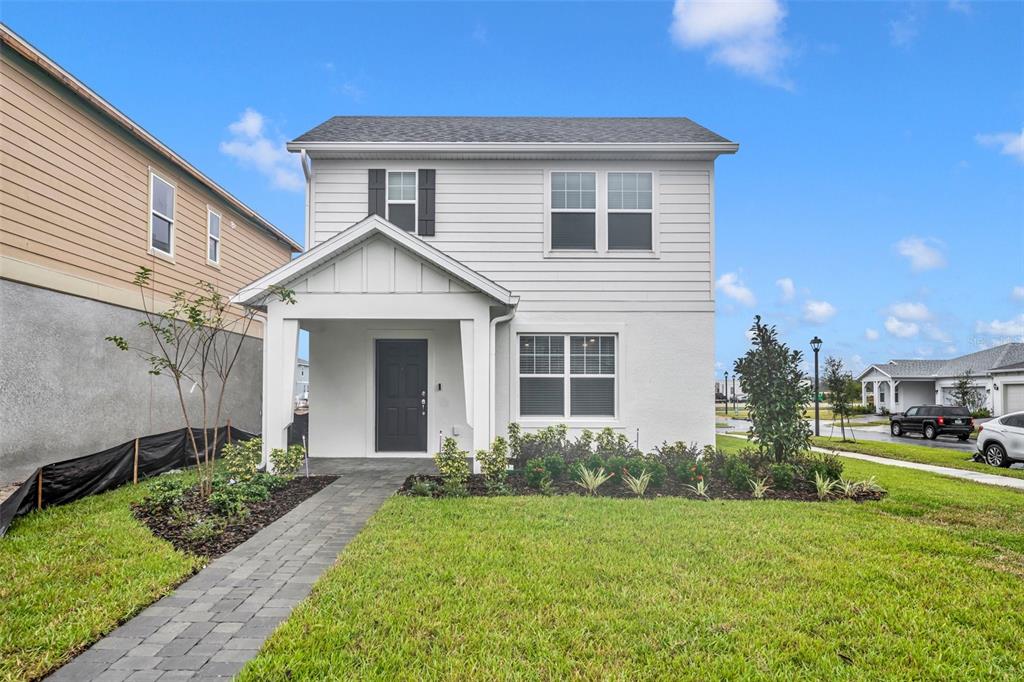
[(915, 453), (72, 573), (926, 584)]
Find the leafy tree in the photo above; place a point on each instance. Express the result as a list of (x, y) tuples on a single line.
[(966, 393), (771, 377), (197, 341), (837, 383)]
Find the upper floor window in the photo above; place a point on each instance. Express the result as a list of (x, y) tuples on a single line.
[(161, 215), (402, 199), (630, 208), (574, 210), (213, 236)]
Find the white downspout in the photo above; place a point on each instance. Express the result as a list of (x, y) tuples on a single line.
[(307, 171), (492, 417)]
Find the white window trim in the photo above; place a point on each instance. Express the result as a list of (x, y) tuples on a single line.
[(209, 235), (650, 210), (566, 418), (415, 194), (169, 255), (601, 250), (549, 209)]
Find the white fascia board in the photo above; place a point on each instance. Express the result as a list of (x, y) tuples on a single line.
[(512, 148)]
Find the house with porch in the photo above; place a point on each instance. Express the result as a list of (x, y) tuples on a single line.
[(467, 272), (997, 374)]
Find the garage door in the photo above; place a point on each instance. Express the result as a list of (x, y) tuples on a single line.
[(1013, 394)]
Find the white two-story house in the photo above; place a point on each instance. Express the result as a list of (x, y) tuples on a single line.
[(467, 272)]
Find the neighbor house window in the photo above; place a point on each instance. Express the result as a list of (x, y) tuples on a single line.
[(630, 211), (551, 387), (213, 236), (402, 199), (161, 215), (573, 210)]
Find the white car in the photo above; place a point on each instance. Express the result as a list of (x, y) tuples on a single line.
[(1001, 441)]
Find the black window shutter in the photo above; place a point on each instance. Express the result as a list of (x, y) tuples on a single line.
[(426, 202), (377, 201)]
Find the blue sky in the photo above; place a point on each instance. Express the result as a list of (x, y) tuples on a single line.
[(877, 199)]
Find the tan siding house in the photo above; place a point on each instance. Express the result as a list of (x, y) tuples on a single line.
[(79, 183)]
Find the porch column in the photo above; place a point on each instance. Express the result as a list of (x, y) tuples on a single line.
[(892, 396), (874, 388), (863, 393), (280, 345), (476, 378)]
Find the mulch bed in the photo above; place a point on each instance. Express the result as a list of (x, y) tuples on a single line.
[(516, 484), (235, 531)]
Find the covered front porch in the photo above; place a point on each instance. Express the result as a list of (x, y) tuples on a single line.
[(892, 394), (401, 346)]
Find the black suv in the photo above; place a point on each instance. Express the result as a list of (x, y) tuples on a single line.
[(933, 421)]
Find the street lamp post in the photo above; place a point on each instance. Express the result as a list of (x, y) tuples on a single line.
[(725, 392), (734, 407), (816, 346)]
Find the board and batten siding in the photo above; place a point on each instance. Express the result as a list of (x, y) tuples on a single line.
[(75, 202), (491, 216)]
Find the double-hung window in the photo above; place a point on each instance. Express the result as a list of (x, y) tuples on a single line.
[(573, 211), (630, 211), (213, 236), (161, 215), (402, 199), (582, 387)]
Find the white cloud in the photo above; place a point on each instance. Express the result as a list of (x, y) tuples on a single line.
[(899, 328), (923, 254), (732, 286), (479, 34), (251, 147), (936, 334), (961, 6), (744, 35), (818, 312), (1018, 293), (1009, 144), (787, 288), (1011, 329), (910, 311), (871, 334), (904, 30)]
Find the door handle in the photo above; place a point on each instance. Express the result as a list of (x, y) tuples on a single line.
[(423, 405)]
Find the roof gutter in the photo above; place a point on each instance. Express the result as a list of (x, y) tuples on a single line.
[(55, 71), (484, 148)]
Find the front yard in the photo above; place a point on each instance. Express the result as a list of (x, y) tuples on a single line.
[(924, 584), (956, 459)]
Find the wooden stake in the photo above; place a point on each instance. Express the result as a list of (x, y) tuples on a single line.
[(135, 473), (39, 490), (229, 430)]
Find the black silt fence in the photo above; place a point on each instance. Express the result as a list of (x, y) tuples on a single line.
[(73, 479)]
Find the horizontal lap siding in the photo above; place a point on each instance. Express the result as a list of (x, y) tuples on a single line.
[(75, 197), (490, 216)]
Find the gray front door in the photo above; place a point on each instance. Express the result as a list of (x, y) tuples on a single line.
[(401, 386)]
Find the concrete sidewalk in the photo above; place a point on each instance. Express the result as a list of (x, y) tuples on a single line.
[(216, 621)]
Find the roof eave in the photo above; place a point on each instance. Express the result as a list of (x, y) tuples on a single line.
[(535, 149)]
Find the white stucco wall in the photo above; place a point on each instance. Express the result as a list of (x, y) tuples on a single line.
[(665, 373), (341, 416)]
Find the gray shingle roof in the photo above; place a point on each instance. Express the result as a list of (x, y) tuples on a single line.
[(509, 129), (981, 362)]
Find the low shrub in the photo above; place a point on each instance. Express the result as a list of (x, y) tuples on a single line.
[(826, 464), (759, 488), (592, 479), (242, 459), (610, 443), (551, 467), (451, 462), (494, 463), (616, 464), (287, 462), (165, 493), (679, 459), (229, 500), (981, 413), (783, 475), (421, 488), (202, 530), (737, 472), (637, 484)]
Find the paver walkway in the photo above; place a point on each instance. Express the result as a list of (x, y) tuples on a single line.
[(218, 619)]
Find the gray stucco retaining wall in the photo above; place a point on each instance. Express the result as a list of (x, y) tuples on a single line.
[(66, 392)]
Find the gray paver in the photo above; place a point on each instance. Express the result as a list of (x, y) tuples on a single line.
[(219, 618)]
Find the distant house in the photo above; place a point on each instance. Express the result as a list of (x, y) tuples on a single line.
[(997, 372), (301, 379), (88, 197)]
